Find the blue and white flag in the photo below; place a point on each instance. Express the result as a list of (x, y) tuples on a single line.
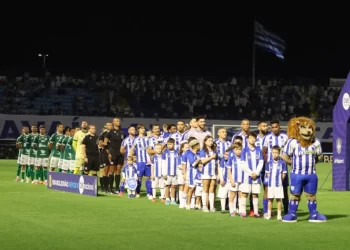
[(269, 41)]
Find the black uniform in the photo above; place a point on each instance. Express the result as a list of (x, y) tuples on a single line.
[(92, 153), (116, 138), (103, 153)]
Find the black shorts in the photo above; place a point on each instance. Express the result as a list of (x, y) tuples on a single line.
[(104, 159), (93, 163), (117, 158)]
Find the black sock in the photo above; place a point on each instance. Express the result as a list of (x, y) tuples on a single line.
[(117, 182), (285, 205), (105, 183), (110, 180), (95, 175), (101, 183)]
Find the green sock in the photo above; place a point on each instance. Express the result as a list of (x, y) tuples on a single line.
[(68, 172), (37, 174), (27, 171), (22, 175), (60, 170), (45, 174), (18, 170), (82, 172), (32, 172), (41, 174)]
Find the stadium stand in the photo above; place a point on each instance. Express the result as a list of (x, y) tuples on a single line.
[(101, 94)]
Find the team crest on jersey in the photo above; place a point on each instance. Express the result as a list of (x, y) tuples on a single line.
[(338, 145)]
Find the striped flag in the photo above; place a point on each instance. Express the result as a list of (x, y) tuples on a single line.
[(269, 41)]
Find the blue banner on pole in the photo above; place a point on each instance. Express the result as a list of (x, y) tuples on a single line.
[(79, 184)]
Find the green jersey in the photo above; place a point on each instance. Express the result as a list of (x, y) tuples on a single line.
[(62, 142), (23, 139), (19, 150), (69, 153), (42, 148), (31, 140), (54, 139)]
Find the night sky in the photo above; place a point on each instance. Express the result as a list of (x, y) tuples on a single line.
[(177, 44)]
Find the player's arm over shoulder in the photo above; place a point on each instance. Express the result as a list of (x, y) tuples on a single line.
[(288, 150), (318, 150)]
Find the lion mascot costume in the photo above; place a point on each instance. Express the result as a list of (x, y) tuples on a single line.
[(302, 151)]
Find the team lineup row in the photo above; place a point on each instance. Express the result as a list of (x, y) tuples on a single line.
[(183, 164)]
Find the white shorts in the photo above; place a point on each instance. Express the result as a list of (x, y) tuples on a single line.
[(208, 177), (275, 192), (24, 160), (171, 180), (54, 162), (31, 160), (60, 163), (250, 188), (19, 159), (198, 191), (223, 191), (180, 178), (44, 162), (158, 182), (65, 164), (234, 189)]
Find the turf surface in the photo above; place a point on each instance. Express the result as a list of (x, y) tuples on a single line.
[(33, 217)]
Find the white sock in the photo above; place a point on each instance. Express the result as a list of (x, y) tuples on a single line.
[(211, 200), (223, 204), (133, 192), (279, 213), (256, 205), (269, 212), (234, 202), (204, 199), (177, 195), (193, 202), (154, 192), (181, 194), (242, 205), (184, 200), (162, 193), (129, 191), (172, 199), (230, 204), (167, 199)]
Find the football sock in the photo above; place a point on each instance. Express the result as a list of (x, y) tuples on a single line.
[(122, 186), (243, 205), (154, 192), (105, 181), (231, 206), (138, 188), (27, 171), (312, 205), (22, 173), (110, 181), (293, 206), (223, 204), (193, 201), (101, 182), (117, 181), (18, 170), (45, 174), (41, 174), (181, 200), (60, 170), (265, 202), (211, 200), (285, 205), (269, 212), (256, 205), (279, 212), (251, 203), (32, 172), (204, 199), (149, 186), (37, 174)]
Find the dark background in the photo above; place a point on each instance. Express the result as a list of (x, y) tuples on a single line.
[(181, 44)]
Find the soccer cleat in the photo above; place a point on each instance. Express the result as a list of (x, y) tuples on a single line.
[(251, 213), (154, 200), (257, 215), (36, 182), (279, 217), (22, 180), (223, 211), (267, 217), (167, 203), (233, 214), (130, 196), (243, 215), (173, 203), (315, 217), (120, 194), (17, 179), (205, 209), (188, 207), (150, 197), (162, 200), (137, 196), (290, 218), (45, 183)]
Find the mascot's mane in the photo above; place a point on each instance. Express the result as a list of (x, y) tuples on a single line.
[(294, 130)]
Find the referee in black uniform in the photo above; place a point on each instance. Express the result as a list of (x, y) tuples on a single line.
[(91, 152), (115, 137), (104, 162)]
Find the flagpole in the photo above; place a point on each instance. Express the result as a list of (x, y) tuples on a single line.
[(253, 61)]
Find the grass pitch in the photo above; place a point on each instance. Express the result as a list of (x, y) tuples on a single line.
[(33, 217)]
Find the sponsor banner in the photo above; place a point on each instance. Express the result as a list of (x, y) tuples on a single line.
[(79, 184), (336, 83), (341, 148), (11, 125)]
